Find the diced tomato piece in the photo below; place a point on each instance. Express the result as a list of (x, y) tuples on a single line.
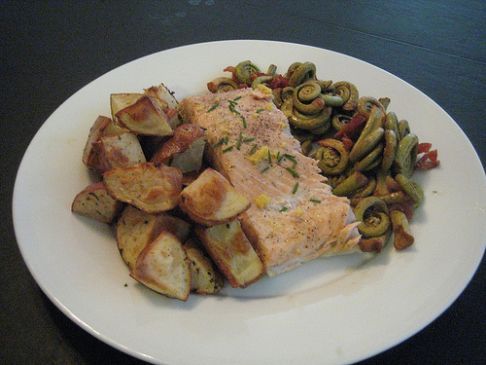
[(353, 127), (428, 161), (279, 82), (347, 142), (424, 147)]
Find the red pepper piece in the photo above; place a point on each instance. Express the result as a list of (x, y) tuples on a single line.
[(428, 161), (353, 127), (279, 82), (424, 147)]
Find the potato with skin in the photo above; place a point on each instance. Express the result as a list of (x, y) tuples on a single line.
[(183, 137), (135, 229), (211, 199), (232, 253), (145, 117), (205, 279), (119, 101), (167, 102), (95, 202), (90, 154), (184, 150), (149, 188), (121, 150), (162, 266)]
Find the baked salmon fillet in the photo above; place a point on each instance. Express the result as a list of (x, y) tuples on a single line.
[(293, 217)]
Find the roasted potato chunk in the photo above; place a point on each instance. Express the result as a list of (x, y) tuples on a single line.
[(149, 188), (135, 229), (211, 199), (232, 253), (145, 117), (183, 137), (119, 151), (205, 279), (95, 202), (120, 101), (163, 267), (90, 153), (167, 102)]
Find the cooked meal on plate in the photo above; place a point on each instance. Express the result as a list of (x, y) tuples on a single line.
[(259, 175)]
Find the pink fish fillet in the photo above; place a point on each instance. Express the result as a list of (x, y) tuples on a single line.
[(294, 217)]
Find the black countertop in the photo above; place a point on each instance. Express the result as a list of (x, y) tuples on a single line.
[(51, 49)]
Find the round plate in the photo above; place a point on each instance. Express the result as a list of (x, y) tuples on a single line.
[(333, 310)]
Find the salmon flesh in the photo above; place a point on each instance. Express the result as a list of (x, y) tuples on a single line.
[(294, 217)]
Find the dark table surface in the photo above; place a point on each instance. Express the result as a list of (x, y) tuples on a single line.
[(51, 49)]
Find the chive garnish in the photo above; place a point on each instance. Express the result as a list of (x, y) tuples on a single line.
[(280, 158), (248, 139), (314, 200), (222, 141), (284, 209), (253, 149), (269, 156), (238, 142), (233, 110), (227, 149), (290, 158), (237, 98), (259, 111), (265, 169), (296, 187), (214, 106), (292, 172)]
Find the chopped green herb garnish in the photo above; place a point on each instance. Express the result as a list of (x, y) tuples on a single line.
[(269, 157), (248, 139), (227, 149), (284, 209), (259, 110), (222, 141), (280, 158), (237, 98), (296, 187), (290, 158), (314, 200), (253, 149), (292, 172), (238, 142), (233, 110), (214, 106), (265, 169)]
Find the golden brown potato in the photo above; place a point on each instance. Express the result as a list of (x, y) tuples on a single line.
[(90, 154), (145, 117), (205, 279), (211, 199), (167, 102), (120, 101), (184, 136), (122, 150), (163, 267), (232, 253), (135, 229), (149, 188), (95, 202)]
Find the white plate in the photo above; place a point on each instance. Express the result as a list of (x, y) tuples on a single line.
[(335, 310)]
